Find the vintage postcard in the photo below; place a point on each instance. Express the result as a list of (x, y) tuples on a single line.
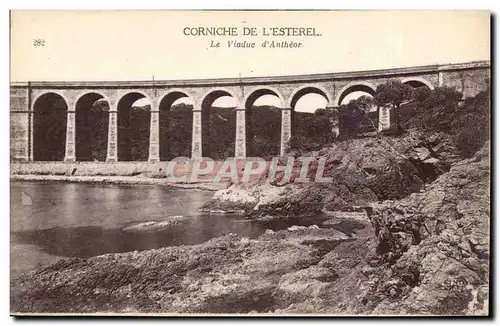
[(269, 163)]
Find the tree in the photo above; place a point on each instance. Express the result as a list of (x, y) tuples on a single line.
[(471, 125), (320, 112), (355, 116), (363, 103), (394, 93), (445, 98), (440, 110), (436, 109)]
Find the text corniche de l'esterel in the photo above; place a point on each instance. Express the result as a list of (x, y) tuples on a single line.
[(250, 31)]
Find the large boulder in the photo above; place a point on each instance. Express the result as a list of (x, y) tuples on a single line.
[(362, 171), (431, 153)]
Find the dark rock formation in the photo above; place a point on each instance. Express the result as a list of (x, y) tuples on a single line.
[(224, 275), (433, 248), (363, 171)]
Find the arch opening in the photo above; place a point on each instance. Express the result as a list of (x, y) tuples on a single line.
[(91, 127), (263, 123), (134, 119), (311, 126), (421, 90), (49, 127), (354, 92), (307, 107), (417, 84), (218, 125), (176, 125)]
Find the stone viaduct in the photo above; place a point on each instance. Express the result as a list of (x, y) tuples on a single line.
[(468, 78)]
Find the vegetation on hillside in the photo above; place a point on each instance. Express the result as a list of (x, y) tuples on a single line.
[(311, 132), (357, 117), (468, 121), (438, 110)]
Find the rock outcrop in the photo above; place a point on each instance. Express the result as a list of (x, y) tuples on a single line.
[(278, 272), (362, 170), (433, 248)]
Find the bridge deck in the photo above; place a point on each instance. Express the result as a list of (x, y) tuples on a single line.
[(261, 80)]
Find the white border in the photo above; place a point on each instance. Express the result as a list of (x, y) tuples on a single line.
[(187, 4)]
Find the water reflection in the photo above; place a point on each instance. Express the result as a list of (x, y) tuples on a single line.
[(108, 206), (84, 220)]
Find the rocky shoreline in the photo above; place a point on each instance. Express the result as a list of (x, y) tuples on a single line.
[(413, 240), (118, 180), (287, 271)]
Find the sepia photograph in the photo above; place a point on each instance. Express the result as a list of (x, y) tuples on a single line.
[(250, 163)]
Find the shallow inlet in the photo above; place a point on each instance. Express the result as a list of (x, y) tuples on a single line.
[(52, 220)]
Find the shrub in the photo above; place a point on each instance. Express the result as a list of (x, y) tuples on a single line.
[(440, 111), (356, 117), (472, 125)]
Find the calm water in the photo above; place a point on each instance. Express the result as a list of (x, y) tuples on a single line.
[(50, 221)]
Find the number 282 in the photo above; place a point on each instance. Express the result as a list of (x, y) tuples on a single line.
[(38, 42)]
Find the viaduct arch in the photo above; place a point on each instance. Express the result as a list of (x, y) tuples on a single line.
[(251, 117), (162, 128), (357, 86)]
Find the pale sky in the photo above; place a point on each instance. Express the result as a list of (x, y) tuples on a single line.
[(135, 45)]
